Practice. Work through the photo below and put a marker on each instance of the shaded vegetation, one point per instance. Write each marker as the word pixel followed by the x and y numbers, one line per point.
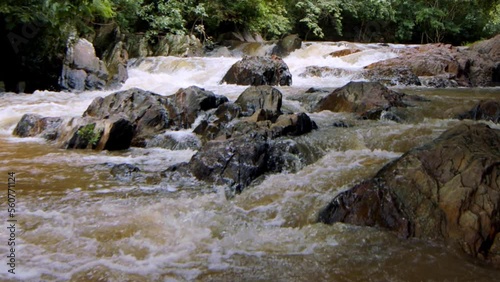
pixel 34 32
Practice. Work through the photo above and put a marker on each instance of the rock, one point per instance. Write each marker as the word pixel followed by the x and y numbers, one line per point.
pixel 238 161
pixel 484 110
pixel 215 124
pixel 294 124
pixel 344 52
pixel 474 67
pixel 263 97
pixel 150 113
pixel 287 45
pixel 361 98
pixel 179 46
pixel 175 140
pixel 116 60
pixel 259 71
pixel 438 81
pixel 446 190
pixel 315 71
pixel 234 162
pixel 392 76
pixel 74 80
pixel 88 133
pixel 32 125
pixel 188 102
pixel 125 172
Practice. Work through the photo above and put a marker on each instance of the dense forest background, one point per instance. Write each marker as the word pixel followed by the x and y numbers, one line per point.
pixel 34 32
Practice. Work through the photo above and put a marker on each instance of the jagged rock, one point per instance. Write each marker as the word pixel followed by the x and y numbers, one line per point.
pixel 82 69
pixel 259 71
pixel 361 98
pixel 484 110
pixel 263 97
pixel 438 81
pixel 151 113
pixel 238 161
pixel 188 102
pixel 116 60
pixel 32 125
pixel 446 190
pixel 287 45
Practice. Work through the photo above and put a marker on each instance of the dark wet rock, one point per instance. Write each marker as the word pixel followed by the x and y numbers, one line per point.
pixel 446 190
pixel 125 172
pixel 294 124
pixel 175 141
pixel 238 161
pixel 341 124
pixel 32 125
pixel 263 97
pixel 287 45
pixel 151 113
pixel 361 98
pixel 234 162
pixel 216 122
pixel 269 70
pixel 189 102
pixel 484 110
pixel 392 76
pixel 344 52
pixel 310 98
pixel 316 71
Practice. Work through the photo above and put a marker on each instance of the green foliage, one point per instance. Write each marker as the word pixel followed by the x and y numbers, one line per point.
pixel 315 11
pixel 88 135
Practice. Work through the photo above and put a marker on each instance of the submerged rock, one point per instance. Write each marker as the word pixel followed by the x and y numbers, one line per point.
pixel 269 70
pixel 447 190
pixel 484 110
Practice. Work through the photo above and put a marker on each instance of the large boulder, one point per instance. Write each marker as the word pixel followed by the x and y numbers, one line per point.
pixel 484 110
pixel 238 161
pixel 361 98
pixel 263 97
pixel 269 70
pixel 446 190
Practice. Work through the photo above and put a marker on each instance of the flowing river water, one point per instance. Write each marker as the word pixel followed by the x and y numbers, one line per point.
pixel 76 222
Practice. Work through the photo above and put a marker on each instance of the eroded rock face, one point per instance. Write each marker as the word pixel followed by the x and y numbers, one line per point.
pixel 269 70
pixel 447 190
pixel 287 45
pixel 360 98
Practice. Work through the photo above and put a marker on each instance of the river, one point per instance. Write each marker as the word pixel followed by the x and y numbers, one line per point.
pixel 76 222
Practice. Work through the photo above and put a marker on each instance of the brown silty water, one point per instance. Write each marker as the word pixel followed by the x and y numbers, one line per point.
pixel 79 223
